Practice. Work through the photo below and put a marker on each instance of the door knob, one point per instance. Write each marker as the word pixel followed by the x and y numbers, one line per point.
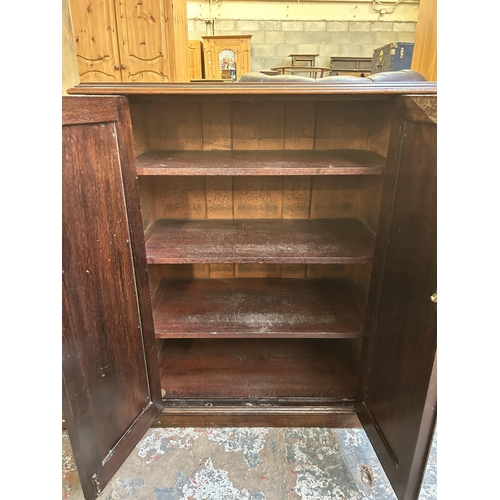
pixel 116 66
pixel 434 297
pixel 123 66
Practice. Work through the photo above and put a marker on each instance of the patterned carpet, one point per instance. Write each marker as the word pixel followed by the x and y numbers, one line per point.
pixel 249 464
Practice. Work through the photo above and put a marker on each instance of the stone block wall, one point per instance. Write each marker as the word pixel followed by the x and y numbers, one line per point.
pixel 273 40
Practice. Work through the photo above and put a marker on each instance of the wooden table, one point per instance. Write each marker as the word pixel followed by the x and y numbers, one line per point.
pixel 312 70
pixel 306 58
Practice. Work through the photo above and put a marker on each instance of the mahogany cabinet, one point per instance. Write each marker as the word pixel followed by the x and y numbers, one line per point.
pixel 259 254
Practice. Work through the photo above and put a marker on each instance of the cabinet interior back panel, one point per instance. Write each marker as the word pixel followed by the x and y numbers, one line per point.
pixel 262 125
pixel 204 124
pixel 260 197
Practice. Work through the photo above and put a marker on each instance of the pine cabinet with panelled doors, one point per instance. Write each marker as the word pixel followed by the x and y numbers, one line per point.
pixel 226 57
pixel 249 255
pixel 117 40
pixel 195 59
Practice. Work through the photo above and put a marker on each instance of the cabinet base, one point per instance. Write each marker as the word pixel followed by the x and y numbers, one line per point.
pixel 287 412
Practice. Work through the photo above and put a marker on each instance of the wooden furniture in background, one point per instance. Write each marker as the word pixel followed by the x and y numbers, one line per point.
pixel 195 48
pixel 212 48
pixel 425 51
pixel 314 71
pixel 289 240
pixel 354 66
pixel 303 59
pixel 131 42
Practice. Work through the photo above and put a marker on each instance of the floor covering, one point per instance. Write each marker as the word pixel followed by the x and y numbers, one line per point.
pixel 265 463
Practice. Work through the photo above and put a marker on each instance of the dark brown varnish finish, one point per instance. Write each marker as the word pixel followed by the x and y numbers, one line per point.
pixel 312 162
pixel 110 385
pixel 397 403
pixel 211 369
pixel 249 90
pixel 260 209
pixel 312 241
pixel 257 307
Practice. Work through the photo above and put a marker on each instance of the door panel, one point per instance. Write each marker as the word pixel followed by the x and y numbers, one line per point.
pixel 97 52
pixel 397 402
pixel 142 28
pixel 111 390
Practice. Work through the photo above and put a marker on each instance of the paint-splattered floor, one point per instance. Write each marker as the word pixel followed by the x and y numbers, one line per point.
pixel 249 464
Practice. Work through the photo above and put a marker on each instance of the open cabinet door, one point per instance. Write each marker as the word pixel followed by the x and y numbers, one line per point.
pixel 396 402
pixel 111 388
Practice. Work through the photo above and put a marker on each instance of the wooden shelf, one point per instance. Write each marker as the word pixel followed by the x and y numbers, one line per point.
pixel 257 307
pixel 289 162
pixel 257 368
pixel 277 241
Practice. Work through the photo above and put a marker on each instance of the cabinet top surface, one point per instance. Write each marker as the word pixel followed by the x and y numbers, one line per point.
pixel 255 89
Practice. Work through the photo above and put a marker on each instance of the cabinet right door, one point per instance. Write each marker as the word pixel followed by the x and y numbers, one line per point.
pixel 396 401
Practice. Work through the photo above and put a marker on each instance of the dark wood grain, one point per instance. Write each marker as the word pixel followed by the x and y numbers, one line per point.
pixel 234 417
pixel 249 90
pixel 88 109
pixel 109 396
pixel 258 368
pixel 313 241
pixel 257 307
pixel 399 353
pixel 312 162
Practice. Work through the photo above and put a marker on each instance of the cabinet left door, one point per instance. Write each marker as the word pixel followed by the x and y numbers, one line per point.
pixel 96 42
pixel 111 388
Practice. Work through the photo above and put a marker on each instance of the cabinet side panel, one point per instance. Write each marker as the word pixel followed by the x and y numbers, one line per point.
pixel 140 125
pixel 147 194
pixel 370 194
pixel 379 130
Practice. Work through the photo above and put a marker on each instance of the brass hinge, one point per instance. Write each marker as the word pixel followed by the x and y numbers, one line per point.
pixel 97 486
pixel 434 297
